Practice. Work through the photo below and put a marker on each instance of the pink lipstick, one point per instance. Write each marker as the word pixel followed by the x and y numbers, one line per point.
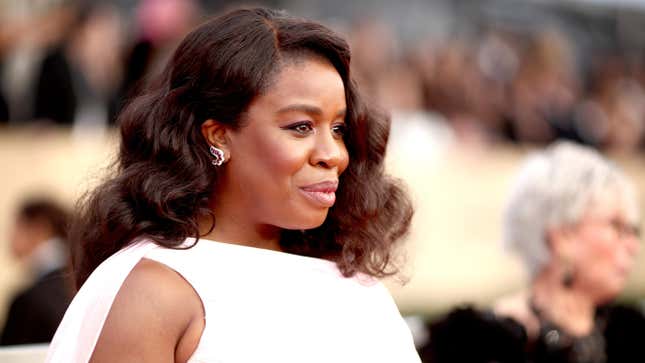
pixel 322 194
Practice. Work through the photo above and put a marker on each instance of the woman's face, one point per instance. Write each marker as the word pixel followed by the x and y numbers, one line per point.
pixel 606 244
pixel 286 158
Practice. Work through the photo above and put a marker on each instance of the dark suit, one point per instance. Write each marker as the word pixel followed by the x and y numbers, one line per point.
pixel 4 110
pixel 4 106
pixel 56 99
pixel 35 313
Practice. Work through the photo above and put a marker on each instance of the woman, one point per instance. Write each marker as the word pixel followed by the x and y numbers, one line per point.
pixel 572 219
pixel 249 214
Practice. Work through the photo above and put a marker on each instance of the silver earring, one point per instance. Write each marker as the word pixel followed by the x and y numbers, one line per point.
pixel 218 155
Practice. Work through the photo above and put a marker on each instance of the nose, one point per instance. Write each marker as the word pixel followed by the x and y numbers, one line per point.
pixel 329 151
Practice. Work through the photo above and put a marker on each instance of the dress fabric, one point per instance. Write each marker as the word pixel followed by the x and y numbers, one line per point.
pixel 260 306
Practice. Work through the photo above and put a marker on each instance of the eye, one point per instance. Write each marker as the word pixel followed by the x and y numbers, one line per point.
pixel 339 129
pixel 625 229
pixel 301 128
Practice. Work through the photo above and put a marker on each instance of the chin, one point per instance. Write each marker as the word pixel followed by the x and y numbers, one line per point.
pixel 306 221
pixel 313 224
pixel 609 294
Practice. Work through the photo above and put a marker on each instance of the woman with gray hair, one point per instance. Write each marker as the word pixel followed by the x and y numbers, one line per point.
pixel 572 218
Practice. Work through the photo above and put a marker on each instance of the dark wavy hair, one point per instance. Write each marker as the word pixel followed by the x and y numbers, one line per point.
pixel 163 177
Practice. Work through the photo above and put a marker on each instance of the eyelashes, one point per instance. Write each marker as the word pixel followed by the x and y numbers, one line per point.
pixel 304 128
pixel 339 129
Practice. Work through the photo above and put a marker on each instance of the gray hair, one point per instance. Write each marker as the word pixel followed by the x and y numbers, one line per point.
pixel 554 188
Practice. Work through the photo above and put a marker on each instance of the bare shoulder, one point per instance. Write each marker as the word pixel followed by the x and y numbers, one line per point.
pixel 156 317
pixel 516 306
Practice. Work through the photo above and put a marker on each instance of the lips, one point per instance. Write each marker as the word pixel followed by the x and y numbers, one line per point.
pixel 322 194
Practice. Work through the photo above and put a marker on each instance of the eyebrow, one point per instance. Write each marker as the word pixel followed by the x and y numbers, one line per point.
pixel 312 110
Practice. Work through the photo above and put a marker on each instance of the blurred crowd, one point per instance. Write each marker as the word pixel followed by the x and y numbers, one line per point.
pixel 503 86
pixel 77 62
pixel 74 63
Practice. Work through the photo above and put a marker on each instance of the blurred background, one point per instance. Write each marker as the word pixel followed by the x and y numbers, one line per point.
pixel 472 86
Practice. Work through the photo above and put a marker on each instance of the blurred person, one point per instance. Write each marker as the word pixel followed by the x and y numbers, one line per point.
pixel 6 37
pixel 572 218
pixel 400 88
pixel 374 52
pixel 497 66
pixel 415 132
pixel 459 91
pixel 79 75
pixel 627 116
pixel 394 79
pixel 249 216
pixel 545 90
pixel 38 240
pixel 27 31
pixel 613 115
pixel 4 108
pixel 160 25
pixel 446 94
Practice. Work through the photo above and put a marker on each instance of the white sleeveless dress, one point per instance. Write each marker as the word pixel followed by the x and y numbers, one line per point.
pixel 260 306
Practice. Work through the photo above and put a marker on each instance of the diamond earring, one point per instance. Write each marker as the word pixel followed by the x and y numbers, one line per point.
pixel 218 155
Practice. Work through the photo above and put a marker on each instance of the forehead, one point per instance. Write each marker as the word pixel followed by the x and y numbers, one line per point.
pixel 614 202
pixel 310 80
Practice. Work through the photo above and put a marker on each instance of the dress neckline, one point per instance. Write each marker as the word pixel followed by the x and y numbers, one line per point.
pixel 209 243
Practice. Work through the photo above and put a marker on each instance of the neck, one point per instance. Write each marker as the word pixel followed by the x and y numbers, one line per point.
pixel 47 256
pixel 259 236
pixel 236 228
pixel 570 308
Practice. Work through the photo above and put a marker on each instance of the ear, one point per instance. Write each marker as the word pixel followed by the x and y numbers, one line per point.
pixel 217 134
pixel 562 242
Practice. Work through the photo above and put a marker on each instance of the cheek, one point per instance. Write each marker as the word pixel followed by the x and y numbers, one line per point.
pixel 344 163
pixel 269 164
pixel 597 247
pixel 601 262
pixel 283 159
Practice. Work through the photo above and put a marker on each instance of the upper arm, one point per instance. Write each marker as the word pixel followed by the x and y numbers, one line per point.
pixel 150 318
